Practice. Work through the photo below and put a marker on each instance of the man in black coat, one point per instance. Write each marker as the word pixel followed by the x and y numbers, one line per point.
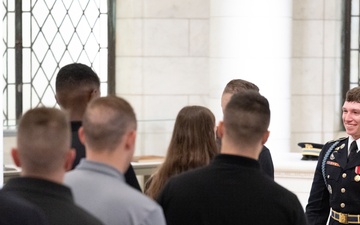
pixel 15 210
pixel 233 189
pixel 237 86
pixel 43 152
pixel 76 85
pixel 335 190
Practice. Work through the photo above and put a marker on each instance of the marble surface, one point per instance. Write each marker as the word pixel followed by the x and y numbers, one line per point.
pixel 295 174
pixel 291 162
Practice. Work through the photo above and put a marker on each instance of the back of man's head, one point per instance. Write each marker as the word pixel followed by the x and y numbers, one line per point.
pixel 75 85
pixel 106 121
pixel 76 75
pixel 246 118
pixel 43 139
pixel 239 85
pixel 236 86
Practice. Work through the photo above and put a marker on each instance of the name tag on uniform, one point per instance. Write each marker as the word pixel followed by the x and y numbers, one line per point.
pixel 331 163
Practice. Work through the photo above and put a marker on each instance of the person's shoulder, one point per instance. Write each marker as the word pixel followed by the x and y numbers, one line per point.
pixel 193 172
pixel 191 177
pixel 84 217
pixel 16 210
pixel 265 152
pixel 146 208
pixel 284 192
pixel 131 199
pixel 341 139
pixel 75 178
pixel 337 143
pixel 71 175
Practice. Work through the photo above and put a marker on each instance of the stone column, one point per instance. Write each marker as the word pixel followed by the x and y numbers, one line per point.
pixel 251 40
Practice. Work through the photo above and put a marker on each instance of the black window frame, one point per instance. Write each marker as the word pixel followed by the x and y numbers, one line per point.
pixel 111 38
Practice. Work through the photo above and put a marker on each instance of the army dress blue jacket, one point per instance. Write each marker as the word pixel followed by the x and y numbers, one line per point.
pixel 336 185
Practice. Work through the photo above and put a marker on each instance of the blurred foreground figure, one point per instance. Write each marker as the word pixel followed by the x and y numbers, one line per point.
pixel 44 155
pixel 17 211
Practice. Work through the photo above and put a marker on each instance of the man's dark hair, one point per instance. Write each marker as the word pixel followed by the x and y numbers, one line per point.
pixel 246 117
pixel 239 85
pixel 75 85
pixel 74 75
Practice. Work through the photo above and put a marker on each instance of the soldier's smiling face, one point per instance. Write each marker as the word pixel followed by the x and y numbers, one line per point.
pixel 351 118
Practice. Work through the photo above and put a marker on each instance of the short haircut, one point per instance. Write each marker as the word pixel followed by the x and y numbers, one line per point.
pixel 239 85
pixel 105 122
pixel 75 75
pixel 246 117
pixel 43 138
pixel 73 84
pixel 353 95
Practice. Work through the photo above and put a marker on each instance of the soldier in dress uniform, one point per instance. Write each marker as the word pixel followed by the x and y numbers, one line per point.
pixel 335 190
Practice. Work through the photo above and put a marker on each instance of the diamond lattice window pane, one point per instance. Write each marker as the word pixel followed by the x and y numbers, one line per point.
pixel 49 65
pixel 55 33
pixel 92 47
pixel 75 13
pixel 83 30
pixel 91 10
pixel 40 81
pixel 76 47
pixel 40 12
pixel 50 28
pixel 58 12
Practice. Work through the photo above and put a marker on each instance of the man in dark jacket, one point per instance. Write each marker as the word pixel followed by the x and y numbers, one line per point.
pixel 233 189
pixel 15 210
pixel 237 86
pixel 76 85
pixel 43 152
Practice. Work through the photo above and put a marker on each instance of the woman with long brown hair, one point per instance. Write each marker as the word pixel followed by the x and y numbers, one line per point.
pixel 192 145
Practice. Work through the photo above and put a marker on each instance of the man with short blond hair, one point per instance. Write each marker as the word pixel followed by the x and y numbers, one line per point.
pixel 109 132
pixel 44 155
